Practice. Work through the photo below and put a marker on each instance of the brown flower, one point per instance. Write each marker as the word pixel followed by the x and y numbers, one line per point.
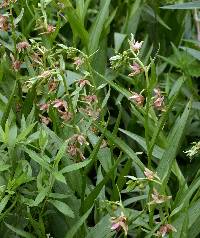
pixel 80 139
pixel 36 57
pixel 66 116
pixel 45 74
pixel 138 98
pixel 6 3
pixel 83 82
pixel 45 120
pixel 50 29
pixel 159 103
pixel 52 85
pixel 165 229
pixel 44 106
pixel 60 104
pixel 150 175
pixel 22 46
pixel 16 64
pixel 119 223
pixel 91 112
pixel 3 23
pixel 91 98
pixel 136 69
pixel 78 62
pixel 158 100
pixel 73 150
pixel 158 198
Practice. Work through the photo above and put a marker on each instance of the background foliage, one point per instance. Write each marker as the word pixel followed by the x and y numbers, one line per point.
pixel 75 144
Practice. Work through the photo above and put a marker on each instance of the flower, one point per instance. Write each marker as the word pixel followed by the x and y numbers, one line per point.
pixel 22 46
pixel 158 198
pixel 165 229
pixel 78 62
pixel 45 74
pixel 6 3
pixel 159 103
pixel 80 139
pixel 50 29
pixel 52 85
pixel 138 98
pixel 158 100
pixel 73 150
pixel 45 120
pixel 66 116
pixel 150 175
pixel 36 57
pixel 60 104
pixel 3 23
pixel 119 223
pixel 135 46
pixel 83 82
pixel 136 69
pixel 43 106
pixel 16 64
pixel 91 98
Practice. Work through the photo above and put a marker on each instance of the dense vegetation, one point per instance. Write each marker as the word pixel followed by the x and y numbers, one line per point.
pixel 99 118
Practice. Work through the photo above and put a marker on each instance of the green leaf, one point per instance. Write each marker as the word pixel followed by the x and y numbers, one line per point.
pixel 119 39
pixel 101 229
pixel 8 106
pixel 74 229
pixel 75 22
pixel 41 196
pixel 18 19
pixel 184 6
pixel 157 151
pixel 174 139
pixel 97 27
pixel 88 203
pixel 122 145
pixel 20 232
pixel 193 52
pixel 4 202
pixel 59 177
pixel 41 161
pixel 60 154
pixel 63 208
pixel 22 136
pixel 74 167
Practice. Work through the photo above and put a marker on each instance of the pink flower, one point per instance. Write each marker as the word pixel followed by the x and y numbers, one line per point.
pixel 138 98
pixel 78 62
pixel 22 46
pixel 150 175
pixel 3 23
pixel 83 82
pixel 165 229
pixel 91 98
pixel 119 223
pixel 158 198
pixel 44 106
pixel 16 64
pixel 59 103
pixel 158 100
pixel 136 69
pixel 45 120
pixel 135 46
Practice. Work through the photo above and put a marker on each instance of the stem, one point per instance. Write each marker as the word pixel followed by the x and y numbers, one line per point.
pixel 146 123
pixel 13 32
